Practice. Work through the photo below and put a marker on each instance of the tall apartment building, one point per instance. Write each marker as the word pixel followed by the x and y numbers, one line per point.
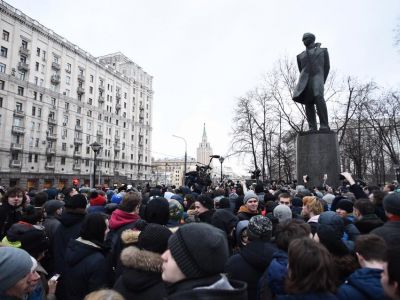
pixel 57 99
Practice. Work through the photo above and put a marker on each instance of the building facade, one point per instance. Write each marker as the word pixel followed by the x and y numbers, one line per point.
pixel 204 150
pixel 57 99
pixel 170 171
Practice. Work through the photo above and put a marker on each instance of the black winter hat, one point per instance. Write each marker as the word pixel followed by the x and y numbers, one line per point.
pixel 154 238
pixel 51 206
pixel 206 201
pixel 157 211
pixel 346 205
pixel 199 249
pixel 391 203
pixel 224 220
pixel 76 201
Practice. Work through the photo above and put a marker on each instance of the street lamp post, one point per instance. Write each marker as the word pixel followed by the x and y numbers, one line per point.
pixel 96 148
pixel 221 160
pixel 184 171
pixel 165 174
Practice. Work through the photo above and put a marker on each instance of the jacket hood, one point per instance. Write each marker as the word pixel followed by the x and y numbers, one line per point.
pixel 366 277
pixel 120 218
pixel 69 219
pixel 258 254
pixel 135 258
pixel 79 249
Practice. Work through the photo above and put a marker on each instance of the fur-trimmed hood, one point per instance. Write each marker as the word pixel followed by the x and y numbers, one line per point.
pixel 130 236
pixel 135 258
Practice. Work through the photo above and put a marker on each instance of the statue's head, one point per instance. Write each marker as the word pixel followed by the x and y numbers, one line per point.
pixel 308 39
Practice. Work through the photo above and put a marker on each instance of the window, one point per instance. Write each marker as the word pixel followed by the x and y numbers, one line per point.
pixel 91 90
pixel 53 101
pixel 89 113
pixel 38 52
pixel 91 78
pixel 21 75
pixel 33 111
pixel 64 146
pixel 79 110
pixel 6 35
pixel 66 106
pixel 67 79
pixel 37 66
pixel 24 44
pixel 55 59
pixel 2 84
pixel 20 91
pixel 44 55
pixel 37 142
pixel 67 92
pixel 68 68
pixel 62 160
pixel 41 82
pixel 18 106
pixel 90 101
pixel 3 51
pixel 39 112
pixel 64 134
pixel 87 150
pixel 87 163
pixel 2 68
pixel 36 156
pixel 30 157
pixel 41 97
pixel 1 101
pixel 89 127
pixel 36 80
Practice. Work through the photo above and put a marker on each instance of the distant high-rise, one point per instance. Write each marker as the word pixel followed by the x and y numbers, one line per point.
pixel 204 150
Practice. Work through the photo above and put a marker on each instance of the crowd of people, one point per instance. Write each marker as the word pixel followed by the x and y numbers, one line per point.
pixel 229 242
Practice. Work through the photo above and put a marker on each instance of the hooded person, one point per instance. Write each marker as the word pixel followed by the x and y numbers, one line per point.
pixel 142 265
pixel 226 221
pixel 249 207
pixel 18 276
pixel 193 263
pixel 241 237
pixel 250 263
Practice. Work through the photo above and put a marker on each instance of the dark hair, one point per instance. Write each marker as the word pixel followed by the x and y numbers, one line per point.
pixel 290 230
pixel 94 227
pixel 259 188
pixel 14 192
pixel 391 187
pixel 371 247
pixel 378 196
pixel 393 266
pixel 93 194
pixel 364 206
pixel 130 202
pixel 190 199
pixel 311 268
pixel 224 203
pixel 285 195
pixel 41 198
pixel 32 215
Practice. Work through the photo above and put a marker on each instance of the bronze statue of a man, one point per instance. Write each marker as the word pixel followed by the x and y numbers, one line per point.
pixel 314 68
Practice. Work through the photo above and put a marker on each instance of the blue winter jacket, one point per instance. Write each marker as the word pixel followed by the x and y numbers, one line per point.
pixel 309 296
pixel 276 273
pixel 364 283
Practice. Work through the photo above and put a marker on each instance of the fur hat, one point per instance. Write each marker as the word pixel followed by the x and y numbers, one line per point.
pixel 391 203
pixel 51 206
pixel 199 249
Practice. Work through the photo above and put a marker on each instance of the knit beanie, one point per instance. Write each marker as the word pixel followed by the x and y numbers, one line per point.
pixel 206 201
pixel 282 212
pixel 157 211
pixel 199 249
pixel 391 203
pixel 15 264
pixel 175 210
pixel 76 201
pixel 249 195
pixel 224 219
pixel 99 200
pixel 346 205
pixel 51 206
pixel 260 227
pixel 154 238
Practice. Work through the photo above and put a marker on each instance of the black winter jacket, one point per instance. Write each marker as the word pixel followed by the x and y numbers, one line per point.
pixel 86 269
pixel 9 215
pixel 141 275
pixel 250 263
pixel 390 232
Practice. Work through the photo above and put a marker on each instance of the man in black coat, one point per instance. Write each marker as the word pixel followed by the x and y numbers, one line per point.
pixel 252 260
pixel 390 231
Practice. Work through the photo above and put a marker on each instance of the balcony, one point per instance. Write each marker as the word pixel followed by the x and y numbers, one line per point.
pixel 117 138
pixel 16 147
pixel 118 96
pixel 55 79
pixel 99 132
pixel 50 151
pixel 117 146
pixel 76 167
pixel 22 66
pixel 119 173
pixel 55 66
pixel 77 155
pixel 23 51
pixel 80 90
pixel 50 166
pixel 78 140
pixel 18 130
pixel 78 127
pixel 51 136
pixel 19 113
pixel 101 88
pixel 141 144
pixel 118 105
pixel 101 99
pixel 81 77
pixel 52 121
pixel 15 163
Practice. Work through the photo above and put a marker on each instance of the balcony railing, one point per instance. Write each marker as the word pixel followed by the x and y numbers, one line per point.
pixel 55 79
pixel 77 154
pixel 23 51
pixel 19 113
pixel 78 127
pixel 52 121
pixel 80 90
pixel 22 66
pixel 16 147
pixel 51 136
pixel 101 88
pixel 56 66
pixel 50 151
pixel 101 99
pixel 117 146
pixel 50 165
pixel 16 163
pixel 81 77
pixel 78 140
pixel 18 129
pixel 118 96
pixel 118 105
pixel 76 167
pixel 99 132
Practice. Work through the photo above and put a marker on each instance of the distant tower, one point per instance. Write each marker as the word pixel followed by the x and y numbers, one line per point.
pixel 204 150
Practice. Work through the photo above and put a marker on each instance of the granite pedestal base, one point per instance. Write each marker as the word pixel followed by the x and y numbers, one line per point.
pixel 317 154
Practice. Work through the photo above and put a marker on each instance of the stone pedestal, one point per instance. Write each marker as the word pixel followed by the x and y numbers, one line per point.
pixel 317 154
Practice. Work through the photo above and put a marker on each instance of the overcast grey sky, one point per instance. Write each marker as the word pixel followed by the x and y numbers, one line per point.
pixel 204 54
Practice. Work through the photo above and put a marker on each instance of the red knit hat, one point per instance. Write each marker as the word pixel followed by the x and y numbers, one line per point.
pixel 98 201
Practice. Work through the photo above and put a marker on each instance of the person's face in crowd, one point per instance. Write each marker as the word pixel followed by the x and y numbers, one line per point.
pixel 252 204
pixel 341 212
pixel 305 211
pixel 389 288
pixel 25 285
pixel 15 200
pixel 170 270
pixel 59 211
pixel 386 189
pixel 371 197
pixel 199 208
pixel 356 213
pixel 285 201
pixel 244 239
